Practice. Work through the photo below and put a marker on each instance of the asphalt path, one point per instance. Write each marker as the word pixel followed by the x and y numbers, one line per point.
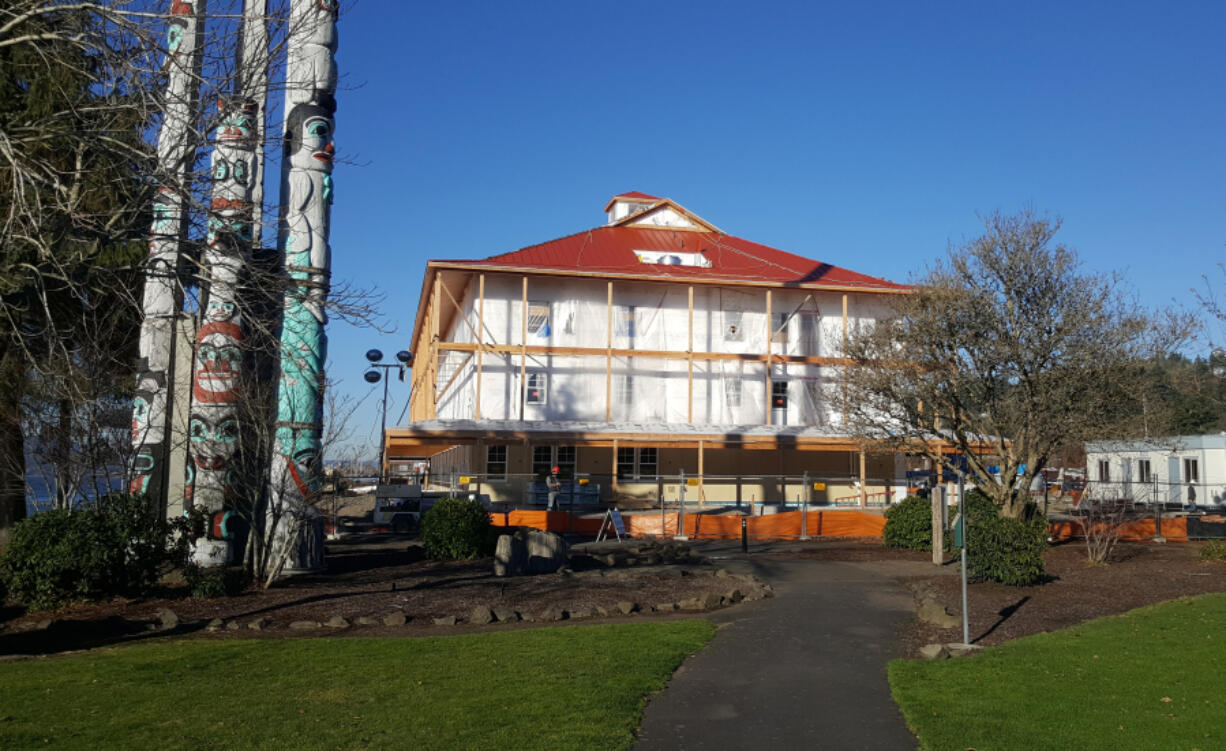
pixel 805 669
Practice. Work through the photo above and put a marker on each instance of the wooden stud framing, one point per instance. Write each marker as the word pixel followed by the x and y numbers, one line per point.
pixel 434 344
pixel 690 351
pixel 662 354
pixel 702 494
pixel 613 468
pixel 480 338
pixel 608 363
pixel 770 334
pixel 523 347
pixel 863 479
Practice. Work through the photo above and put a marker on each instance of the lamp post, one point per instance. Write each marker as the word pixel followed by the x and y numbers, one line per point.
pixel 374 357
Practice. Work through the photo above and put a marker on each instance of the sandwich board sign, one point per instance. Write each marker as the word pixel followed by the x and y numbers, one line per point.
pixel 612 521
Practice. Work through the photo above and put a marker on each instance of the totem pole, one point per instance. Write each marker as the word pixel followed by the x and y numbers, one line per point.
pixel 252 65
pixel 214 426
pixel 162 294
pixel 306 199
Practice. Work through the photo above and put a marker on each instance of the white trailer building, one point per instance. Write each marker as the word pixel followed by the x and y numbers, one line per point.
pixel 1188 469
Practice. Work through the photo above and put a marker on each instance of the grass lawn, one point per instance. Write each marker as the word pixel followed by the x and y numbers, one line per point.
pixel 576 687
pixel 1153 678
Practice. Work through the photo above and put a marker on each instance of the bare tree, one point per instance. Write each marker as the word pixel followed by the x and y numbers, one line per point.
pixel 1006 351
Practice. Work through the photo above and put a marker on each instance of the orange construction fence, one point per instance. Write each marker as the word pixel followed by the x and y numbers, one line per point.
pixel 783 526
pixel 1173 529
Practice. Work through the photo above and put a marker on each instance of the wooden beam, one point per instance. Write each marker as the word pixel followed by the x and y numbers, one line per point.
pixel 663 354
pixel 690 351
pixel 480 338
pixel 434 346
pixel 523 347
pixel 769 335
pixel 613 466
pixel 863 480
pixel 702 492
pixel 447 386
pixel 608 361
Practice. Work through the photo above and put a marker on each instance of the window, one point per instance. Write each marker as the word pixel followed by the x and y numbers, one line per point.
pixel 625 321
pixel 733 331
pixel 545 458
pixel 779 394
pixel 625 462
pixel 732 392
pixel 1104 470
pixel 538 318
pixel 495 462
pixel 538 387
pixel 564 458
pixel 648 462
pixel 1144 474
pixel 779 327
pixel 542 460
pixel 1191 470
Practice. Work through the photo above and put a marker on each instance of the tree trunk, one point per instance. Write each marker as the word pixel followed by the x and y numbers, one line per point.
pixel 12 443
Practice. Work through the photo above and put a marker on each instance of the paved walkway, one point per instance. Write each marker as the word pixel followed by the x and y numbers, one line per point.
pixel 805 669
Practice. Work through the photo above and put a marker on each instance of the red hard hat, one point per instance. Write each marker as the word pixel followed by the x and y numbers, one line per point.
pixel 555 469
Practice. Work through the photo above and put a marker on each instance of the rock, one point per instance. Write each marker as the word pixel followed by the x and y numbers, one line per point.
pixel 481 615
pixel 506 615
pixel 552 614
pixel 957 649
pixel 259 624
pixel 215 625
pixel 395 619
pixel 447 620
pixel 233 626
pixel 931 611
pixel 712 600
pixel 529 551
pixel 366 620
pixel 721 573
pixel 610 560
pixel 337 621
pixel 692 603
pixel 734 596
pixel 580 613
pixel 167 619
pixel 304 625
pixel 934 652
pixel 602 612
pixel 625 607
pixel 666 607
pixel 42 625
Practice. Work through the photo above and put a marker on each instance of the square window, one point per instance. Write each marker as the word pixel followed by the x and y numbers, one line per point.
pixel 779 394
pixel 538 318
pixel 625 462
pixel 495 462
pixel 542 460
pixel 537 389
pixel 648 462
pixel 1191 470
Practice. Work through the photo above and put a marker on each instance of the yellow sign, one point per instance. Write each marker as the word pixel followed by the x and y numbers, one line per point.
pixel 819 486
pixel 465 480
pixel 691 481
pixel 583 481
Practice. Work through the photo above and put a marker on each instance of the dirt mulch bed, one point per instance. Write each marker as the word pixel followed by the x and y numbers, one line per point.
pixel 374 578
pixel 1139 574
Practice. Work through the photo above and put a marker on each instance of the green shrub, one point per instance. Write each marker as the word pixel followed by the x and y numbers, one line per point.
pixel 1008 551
pixel 908 524
pixel 215 581
pixel 1214 550
pixel 119 547
pixel 456 528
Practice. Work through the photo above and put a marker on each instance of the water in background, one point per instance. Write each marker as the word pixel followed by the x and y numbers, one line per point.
pixel 39 496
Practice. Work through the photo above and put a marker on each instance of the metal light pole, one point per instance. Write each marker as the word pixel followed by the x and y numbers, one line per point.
pixel 374 356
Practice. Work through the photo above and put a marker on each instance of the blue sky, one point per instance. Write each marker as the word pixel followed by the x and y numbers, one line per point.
pixel 867 135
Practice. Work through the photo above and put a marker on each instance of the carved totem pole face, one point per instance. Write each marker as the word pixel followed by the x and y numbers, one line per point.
pixel 214 439
pixel 219 358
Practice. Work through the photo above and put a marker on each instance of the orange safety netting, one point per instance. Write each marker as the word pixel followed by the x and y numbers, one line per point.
pixel 787 525
pixel 1175 528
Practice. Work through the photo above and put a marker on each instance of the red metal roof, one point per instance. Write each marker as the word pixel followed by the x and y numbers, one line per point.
pixel 610 251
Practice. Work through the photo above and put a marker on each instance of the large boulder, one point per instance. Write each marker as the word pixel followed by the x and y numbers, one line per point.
pixel 529 551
